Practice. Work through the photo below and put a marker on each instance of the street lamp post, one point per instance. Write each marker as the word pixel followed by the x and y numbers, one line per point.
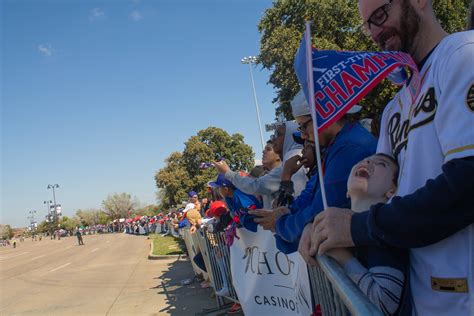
pixel 53 186
pixel 48 204
pixel 54 213
pixel 32 222
pixel 250 60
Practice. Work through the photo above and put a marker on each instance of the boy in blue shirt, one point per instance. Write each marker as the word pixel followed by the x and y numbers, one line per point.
pixel 238 203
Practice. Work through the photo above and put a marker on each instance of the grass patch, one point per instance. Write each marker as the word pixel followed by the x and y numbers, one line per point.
pixel 167 245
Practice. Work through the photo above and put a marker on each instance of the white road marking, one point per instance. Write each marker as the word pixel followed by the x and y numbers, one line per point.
pixel 94 250
pixel 38 257
pixel 10 257
pixel 60 267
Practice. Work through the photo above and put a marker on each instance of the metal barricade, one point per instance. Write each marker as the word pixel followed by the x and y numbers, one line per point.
pixel 193 249
pixel 219 259
pixel 336 293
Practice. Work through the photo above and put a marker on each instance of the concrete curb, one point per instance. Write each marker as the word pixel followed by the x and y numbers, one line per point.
pixel 151 256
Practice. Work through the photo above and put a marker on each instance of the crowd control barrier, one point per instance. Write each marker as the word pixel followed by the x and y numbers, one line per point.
pixel 331 288
pixel 336 293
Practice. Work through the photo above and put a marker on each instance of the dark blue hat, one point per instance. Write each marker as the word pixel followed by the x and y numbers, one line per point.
pixel 192 193
pixel 297 138
pixel 221 181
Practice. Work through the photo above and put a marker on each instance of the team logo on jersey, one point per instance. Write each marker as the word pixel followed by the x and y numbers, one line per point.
pixel 470 98
pixel 421 114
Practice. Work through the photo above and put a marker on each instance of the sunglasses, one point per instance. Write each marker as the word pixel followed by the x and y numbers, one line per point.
pixel 377 18
pixel 302 127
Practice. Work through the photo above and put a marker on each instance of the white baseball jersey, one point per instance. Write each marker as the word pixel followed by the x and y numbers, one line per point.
pixel 423 134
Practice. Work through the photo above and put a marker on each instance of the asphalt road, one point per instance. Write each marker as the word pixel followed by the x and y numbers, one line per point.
pixel 109 275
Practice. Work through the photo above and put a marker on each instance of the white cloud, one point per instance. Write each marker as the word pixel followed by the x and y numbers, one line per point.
pixel 135 16
pixel 96 14
pixel 45 50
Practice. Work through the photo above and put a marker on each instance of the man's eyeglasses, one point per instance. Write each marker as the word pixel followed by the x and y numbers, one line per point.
pixel 378 17
pixel 302 127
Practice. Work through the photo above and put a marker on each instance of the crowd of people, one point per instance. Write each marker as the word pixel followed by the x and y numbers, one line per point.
pixel 400 217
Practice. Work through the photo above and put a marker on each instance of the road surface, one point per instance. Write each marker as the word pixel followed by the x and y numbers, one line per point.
pixel 109 275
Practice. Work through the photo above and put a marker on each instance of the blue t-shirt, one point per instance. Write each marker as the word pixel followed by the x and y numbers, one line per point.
pixel 239 205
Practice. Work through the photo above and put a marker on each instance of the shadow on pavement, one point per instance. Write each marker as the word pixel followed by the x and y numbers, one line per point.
pixel 183 299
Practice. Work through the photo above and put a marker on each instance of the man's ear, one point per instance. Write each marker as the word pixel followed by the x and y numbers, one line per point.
pixel 420 4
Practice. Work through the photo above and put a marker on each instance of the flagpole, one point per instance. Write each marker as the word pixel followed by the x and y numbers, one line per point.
pixel 309 68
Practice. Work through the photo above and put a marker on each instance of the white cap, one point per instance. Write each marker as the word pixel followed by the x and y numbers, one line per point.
pixel 188 207
pixel 299 105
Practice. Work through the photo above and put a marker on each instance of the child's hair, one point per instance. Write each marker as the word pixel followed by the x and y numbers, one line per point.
pixel 395 162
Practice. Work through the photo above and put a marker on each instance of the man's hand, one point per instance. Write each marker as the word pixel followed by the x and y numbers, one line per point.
pixel 267 218
pixel 221 166
pixel 305 244
pixel 193 229
pixel 341 255
pixel 331 229
pixel 291 166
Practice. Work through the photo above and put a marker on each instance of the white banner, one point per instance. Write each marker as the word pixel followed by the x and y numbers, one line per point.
pixel 267 281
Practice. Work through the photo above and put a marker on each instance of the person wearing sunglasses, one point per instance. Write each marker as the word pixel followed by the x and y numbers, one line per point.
pixel 428 128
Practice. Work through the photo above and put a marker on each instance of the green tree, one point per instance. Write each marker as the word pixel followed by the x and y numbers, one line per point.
pixel 335 26
pixel 68 223
pixel 149 210
pixel 6 232
pixel 119 205
pixel 182 173
pixel 172 180
pixel 92 217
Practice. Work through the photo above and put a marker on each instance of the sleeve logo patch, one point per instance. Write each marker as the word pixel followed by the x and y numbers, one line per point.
pixel 470 98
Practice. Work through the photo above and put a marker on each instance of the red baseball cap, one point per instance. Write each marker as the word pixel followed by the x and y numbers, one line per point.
pixel 217 208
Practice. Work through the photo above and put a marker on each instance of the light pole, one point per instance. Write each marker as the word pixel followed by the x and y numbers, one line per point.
pixel 32 221
pixel 250 60
pixel 48 203
pixel 53 186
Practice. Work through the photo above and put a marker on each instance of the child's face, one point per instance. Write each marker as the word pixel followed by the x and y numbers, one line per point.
pixel 373 178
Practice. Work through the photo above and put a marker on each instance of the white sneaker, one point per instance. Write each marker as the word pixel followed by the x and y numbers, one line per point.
pixel 223 292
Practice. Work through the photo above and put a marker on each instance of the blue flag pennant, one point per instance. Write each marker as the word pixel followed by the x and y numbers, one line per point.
pixel 342 78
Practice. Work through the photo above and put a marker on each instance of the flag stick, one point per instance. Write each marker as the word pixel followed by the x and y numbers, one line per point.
pixel 309 68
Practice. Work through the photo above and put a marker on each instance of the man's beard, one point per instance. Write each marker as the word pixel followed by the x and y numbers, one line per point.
pixel 409 27
pixel 406 31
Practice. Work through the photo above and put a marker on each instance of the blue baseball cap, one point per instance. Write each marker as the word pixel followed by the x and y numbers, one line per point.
pixel 297 138
pixel 221 181
pixel 192 194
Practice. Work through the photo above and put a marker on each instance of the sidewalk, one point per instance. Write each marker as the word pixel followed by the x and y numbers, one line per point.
pixel 180 300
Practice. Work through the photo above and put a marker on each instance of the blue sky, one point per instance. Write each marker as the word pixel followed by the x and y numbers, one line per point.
pixel 95 95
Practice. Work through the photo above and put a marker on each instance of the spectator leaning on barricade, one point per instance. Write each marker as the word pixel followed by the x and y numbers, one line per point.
pixel 433 215
pixel 193 198
pixel 380 272
pixel 219 214
pixel 267 186
pixel 270 159
pixel 238 203
pixel 345 144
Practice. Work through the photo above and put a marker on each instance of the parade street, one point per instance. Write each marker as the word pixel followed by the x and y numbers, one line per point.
pixel 109 275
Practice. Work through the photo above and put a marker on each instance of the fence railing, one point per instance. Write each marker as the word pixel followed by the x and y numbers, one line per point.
pixel 331 288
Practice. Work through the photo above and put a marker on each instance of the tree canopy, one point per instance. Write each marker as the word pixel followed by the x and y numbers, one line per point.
pixel 335 26
pixel 182 173
pixel 119 205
